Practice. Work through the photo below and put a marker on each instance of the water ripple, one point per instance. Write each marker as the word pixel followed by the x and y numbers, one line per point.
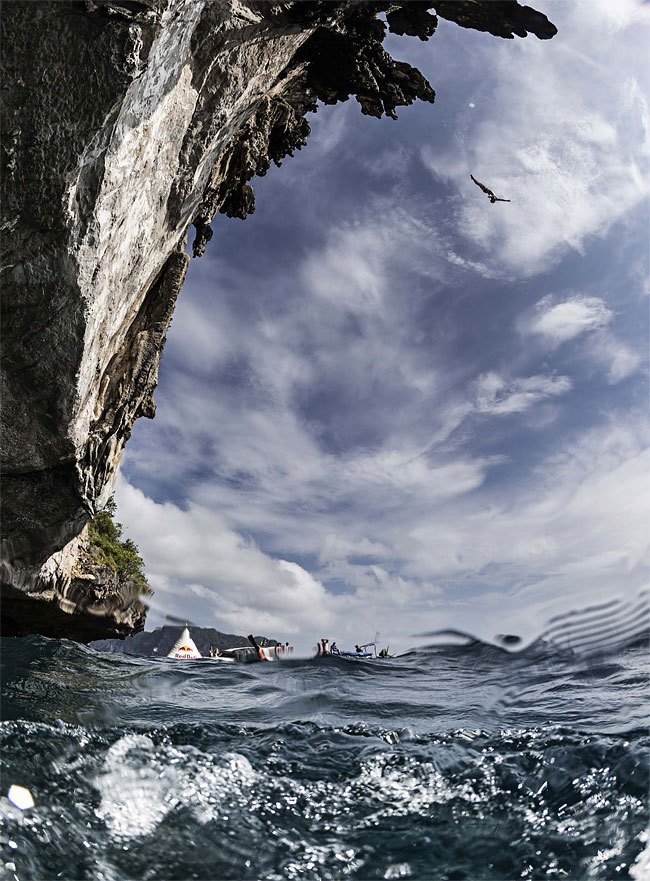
pixel 465 762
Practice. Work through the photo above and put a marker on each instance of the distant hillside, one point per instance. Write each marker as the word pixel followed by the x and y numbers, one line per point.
pixel 159 642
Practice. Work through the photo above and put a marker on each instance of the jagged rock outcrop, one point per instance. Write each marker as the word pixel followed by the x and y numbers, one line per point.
pixel 94 599
pixel 124 123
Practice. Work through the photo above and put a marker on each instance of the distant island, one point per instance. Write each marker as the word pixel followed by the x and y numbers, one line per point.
pixel 158 643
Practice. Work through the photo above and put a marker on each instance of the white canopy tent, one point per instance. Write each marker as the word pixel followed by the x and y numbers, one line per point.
pixel 184 647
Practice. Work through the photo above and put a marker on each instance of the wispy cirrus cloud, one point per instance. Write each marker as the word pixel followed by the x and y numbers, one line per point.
pixel 557 321
pixel 499 397
pixel 384 399
pixel 619 359
pixel 561 320
pixel 420 566
pixel 563 136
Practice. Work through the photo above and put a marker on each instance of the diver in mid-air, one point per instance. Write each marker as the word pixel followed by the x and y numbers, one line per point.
pixel 488 191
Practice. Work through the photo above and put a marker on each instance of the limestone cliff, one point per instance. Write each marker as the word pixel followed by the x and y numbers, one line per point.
pixel 124 123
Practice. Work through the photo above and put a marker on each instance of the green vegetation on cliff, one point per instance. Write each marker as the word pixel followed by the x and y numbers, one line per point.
pixel 108 549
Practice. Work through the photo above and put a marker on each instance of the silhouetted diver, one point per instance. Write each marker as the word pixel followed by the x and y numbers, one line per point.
pixel 487 191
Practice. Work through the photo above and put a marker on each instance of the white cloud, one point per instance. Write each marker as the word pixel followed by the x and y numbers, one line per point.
pixel 340 404
pixel 499 397
pixel 617 16
pixel 211 344
pixel 200 567
pixel 562 321
pixel 619 359
pixel 473 265
pixel 563 136
pixel 354 268
pixel 391 163
pixel 328 129
pixel 338 547
pixel 392 471
pixel 557 322
pixel 575 528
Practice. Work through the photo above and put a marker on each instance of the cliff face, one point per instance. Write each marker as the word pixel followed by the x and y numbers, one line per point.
pixel 124 123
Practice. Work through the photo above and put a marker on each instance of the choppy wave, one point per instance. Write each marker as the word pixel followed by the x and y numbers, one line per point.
pixel 597 629
pixel 458 762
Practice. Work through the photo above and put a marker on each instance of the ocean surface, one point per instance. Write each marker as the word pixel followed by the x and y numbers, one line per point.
pixel 447 763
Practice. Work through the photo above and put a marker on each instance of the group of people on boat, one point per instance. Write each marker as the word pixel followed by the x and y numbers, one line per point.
pixel 266 650
pixel 362 651
pixel 277 649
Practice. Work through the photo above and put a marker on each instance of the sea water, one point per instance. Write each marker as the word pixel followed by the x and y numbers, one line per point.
pixel 447 763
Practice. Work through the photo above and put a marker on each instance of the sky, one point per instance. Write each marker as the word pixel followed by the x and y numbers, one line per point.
pixel 387 405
